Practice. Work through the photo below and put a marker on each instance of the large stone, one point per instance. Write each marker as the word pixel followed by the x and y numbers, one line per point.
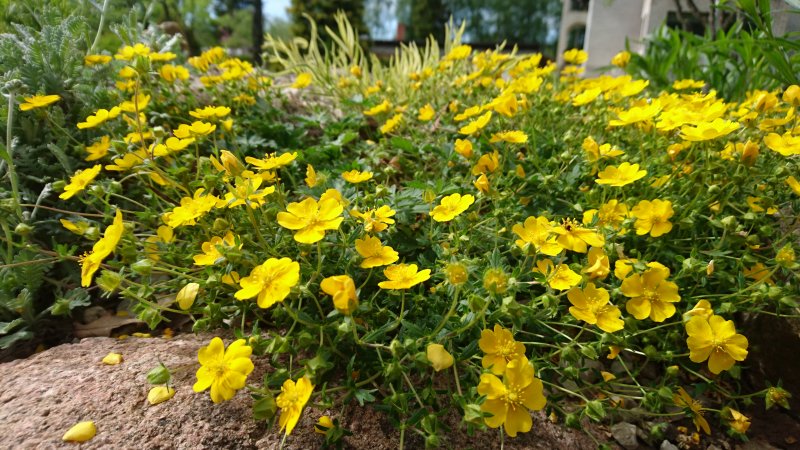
pixel 625 434
pixel 44 395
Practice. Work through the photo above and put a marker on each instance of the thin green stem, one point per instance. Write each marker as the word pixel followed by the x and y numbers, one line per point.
pixel 12 171
pixel 99 27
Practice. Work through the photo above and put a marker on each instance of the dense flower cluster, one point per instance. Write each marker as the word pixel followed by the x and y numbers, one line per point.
pixel 444 225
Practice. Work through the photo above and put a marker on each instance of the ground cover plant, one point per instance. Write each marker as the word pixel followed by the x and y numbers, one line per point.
pixel 468 232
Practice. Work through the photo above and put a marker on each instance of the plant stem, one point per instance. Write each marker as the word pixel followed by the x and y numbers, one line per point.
pixel 12 171
pixel 99 27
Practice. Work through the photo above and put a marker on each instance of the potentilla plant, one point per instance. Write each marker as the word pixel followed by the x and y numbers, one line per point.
pixel 490 237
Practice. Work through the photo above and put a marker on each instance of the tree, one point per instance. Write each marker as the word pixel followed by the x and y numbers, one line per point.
pixel 427 17
pixel 322 12
pixel 233 22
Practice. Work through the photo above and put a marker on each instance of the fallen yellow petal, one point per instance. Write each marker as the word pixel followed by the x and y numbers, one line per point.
pixel 112 359
pixel 80 432
pixel 160 394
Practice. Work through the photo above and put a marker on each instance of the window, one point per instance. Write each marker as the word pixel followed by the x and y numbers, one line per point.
pixel 576 36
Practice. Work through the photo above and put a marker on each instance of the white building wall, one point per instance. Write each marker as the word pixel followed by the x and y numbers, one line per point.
pixel 607 26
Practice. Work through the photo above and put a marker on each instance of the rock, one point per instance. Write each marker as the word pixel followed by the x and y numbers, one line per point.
pixel 667 445
pixel 46 394
pixel 625 434
pixel 757 444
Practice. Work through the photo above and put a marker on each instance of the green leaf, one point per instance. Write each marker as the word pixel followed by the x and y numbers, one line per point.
pixel 364 396
pixel 159 375
pixel 595 410
pixel 403 144
pixel 265 408
pixel 7 327
pixel 7 341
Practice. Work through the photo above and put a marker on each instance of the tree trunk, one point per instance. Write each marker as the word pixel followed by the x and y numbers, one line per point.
pixel 258 30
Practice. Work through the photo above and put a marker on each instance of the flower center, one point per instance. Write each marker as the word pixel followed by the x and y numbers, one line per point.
pixel 513 396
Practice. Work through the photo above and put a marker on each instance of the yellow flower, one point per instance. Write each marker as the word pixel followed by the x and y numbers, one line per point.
pixel 785 256
pixel 292 400
pixel 343 290
pixel 271 161
pixel 245 192
pixel 99 149
pixel 759 273
pixel 715 339
pixel 477 124
pixel 79 181
pixel 469 112
pixel 38 101
pixel 487 163
pixel 586 96
pixel 684 400
pixel 463 147
pixel 271 282
pixel 112 359
pixel 311 176
pixel 160 394
pixel 101 249
pixel 575 56
pixel 99 117
pixel 626 173
pixel 224 371
pixel 702 308
pixel 458 52
pixel 374 253
pixel 91 60
pixel 439 358
pixel 323 425
pixel 591 306
pixel 482 183
pixel 538 232
pixel 310 219
pixel 391 124
pixel 303 80
pixel 560 277
pixel 594 152
pixel 786 145
pixel 380 108
pixel 186 295
pixel 162 57
pixel 456 273
pixel 191 208
pixel 621 59
pixel 210 112
pixel 651 295
pixel 170 73
pixel 451 206
pixel 572 236
pixel 403 276
pixel 211 249
pixel 196 129
pixel 495 281
pixel 509 401
pixel 738 421
pixel 653 217
pixel 135 104
pixel 792 95
pixel 636 114
pixel 355 176
pixel 513 137
pixel 426 113
pixel 599 266
pixel 500 348
pixel 680 85
pixel 375 220
pixel 80 432
pixel 705 131
pixel 127 52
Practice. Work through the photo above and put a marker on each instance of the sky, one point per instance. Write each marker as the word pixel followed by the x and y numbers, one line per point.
pixel 276 9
